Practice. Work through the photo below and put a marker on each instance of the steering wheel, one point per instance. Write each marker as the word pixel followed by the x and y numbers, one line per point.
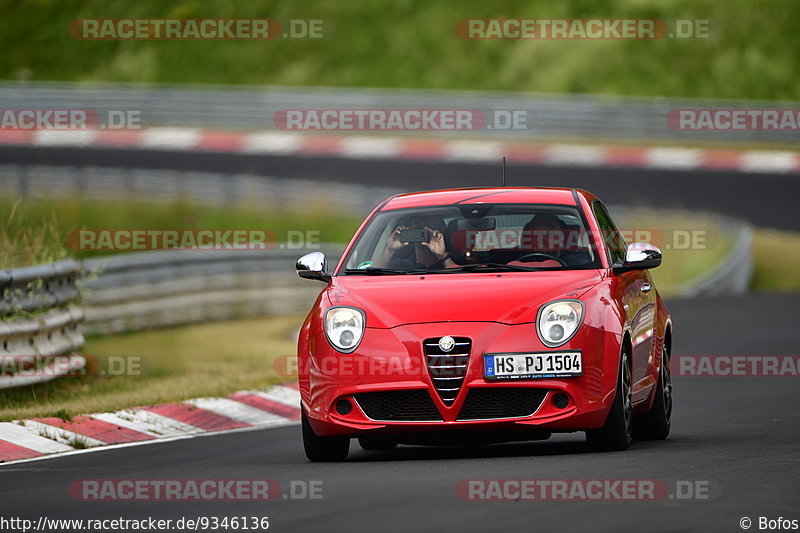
pixel 528 257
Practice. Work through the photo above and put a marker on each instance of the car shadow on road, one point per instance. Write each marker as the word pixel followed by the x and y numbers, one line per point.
pixel 501 450
pixel 426 453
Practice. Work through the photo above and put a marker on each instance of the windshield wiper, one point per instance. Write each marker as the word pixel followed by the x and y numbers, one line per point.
pixel 489 267
pixel 471 267
pixel 376 271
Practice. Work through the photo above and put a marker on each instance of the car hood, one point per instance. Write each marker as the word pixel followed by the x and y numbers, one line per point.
pixel 509 298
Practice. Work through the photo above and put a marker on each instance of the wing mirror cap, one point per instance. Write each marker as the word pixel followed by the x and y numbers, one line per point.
pixel 313 265
pixel 640 256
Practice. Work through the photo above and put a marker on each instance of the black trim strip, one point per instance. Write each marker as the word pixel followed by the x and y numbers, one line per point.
pixel 575 197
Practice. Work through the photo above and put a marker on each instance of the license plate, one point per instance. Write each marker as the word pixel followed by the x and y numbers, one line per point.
pixel 531 365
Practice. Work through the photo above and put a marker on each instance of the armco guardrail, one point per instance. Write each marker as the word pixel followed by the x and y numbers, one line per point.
pixel 38 287
pixel 584 116
pixel 166 288
pixel 39 320
pixel 734 273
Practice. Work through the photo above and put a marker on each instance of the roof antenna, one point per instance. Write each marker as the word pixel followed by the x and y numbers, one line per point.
pixel 504 171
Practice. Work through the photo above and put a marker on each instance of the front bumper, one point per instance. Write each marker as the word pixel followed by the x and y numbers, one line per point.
pixel 389 370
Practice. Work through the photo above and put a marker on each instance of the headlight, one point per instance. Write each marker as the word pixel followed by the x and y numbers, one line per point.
pixel 344 327
pixel 558 321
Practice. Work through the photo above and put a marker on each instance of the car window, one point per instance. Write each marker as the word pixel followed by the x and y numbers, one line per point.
pixel 611 235
pixel 536 236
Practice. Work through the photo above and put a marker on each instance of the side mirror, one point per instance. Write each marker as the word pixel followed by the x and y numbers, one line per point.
pixel 313 266
pixel 640 256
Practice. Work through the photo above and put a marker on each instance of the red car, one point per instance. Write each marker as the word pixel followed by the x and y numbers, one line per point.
pixel 485 315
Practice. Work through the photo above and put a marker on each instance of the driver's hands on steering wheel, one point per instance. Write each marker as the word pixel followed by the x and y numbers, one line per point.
pixel 531 257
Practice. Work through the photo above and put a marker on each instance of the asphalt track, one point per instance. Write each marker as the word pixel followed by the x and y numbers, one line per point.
pixel 741 435
pixel 768 200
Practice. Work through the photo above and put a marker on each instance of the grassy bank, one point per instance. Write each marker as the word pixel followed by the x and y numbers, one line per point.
pixel 776 258
pixel 412 43
pixel 35 230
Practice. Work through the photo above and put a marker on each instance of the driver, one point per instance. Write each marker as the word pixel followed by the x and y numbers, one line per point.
pixel 547 234
pixel 426 255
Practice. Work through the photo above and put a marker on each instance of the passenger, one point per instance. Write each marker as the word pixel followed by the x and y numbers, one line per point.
pixel 426 255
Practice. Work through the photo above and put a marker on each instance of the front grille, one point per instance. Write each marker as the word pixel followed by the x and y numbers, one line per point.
pixel 447 369
pixel 398 405
pixel 501 402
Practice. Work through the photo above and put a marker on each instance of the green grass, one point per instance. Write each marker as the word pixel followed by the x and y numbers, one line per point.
pixel 29 235
pixel 412 43
pixel 176 364
pixel 63 414
pixel 777 256
pixel 36 229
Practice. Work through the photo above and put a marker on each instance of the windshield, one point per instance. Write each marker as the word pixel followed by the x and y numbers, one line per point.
pixel 469 238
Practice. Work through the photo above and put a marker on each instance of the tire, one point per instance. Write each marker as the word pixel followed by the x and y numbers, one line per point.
pixel 323 449
pixel 615 435
pixel 376 442
pixel 655 424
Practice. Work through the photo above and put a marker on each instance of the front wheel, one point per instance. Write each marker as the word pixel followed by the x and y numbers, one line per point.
pixel 615 435
pixel 655 424
pixel 323 449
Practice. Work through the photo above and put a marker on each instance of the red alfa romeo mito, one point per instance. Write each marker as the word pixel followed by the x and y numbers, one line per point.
pixel 485 315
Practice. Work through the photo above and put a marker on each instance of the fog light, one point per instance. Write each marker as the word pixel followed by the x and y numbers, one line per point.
pixel 343 407
pixel 346 338
pixel 561 400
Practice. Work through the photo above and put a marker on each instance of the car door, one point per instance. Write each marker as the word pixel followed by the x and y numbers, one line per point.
pixel 643 330
pixel 638 299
